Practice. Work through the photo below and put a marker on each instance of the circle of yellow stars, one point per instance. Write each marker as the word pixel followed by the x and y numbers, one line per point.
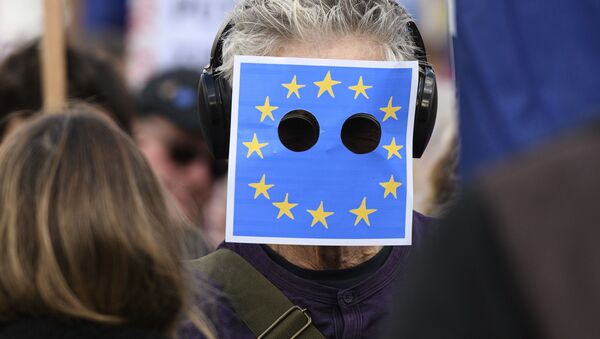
pixel 320 214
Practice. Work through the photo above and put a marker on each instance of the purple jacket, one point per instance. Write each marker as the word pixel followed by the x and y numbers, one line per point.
pixel 338 313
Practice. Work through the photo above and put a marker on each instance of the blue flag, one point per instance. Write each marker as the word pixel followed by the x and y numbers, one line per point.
pixel 526 71
pixel 348 183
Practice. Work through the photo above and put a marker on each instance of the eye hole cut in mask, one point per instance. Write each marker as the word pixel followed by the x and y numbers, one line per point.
pixel 361 133
pixel 298 130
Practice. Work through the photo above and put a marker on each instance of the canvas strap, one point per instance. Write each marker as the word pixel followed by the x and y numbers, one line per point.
pixel 264 309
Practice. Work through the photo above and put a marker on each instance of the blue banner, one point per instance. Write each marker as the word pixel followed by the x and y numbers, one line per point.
pixel 526 71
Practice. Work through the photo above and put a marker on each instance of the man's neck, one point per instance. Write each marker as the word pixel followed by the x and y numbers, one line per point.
pixel 326 257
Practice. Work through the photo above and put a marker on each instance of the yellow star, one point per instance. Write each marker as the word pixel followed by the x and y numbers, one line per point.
pixel 293 87
pixel 266 110
pixel 360 88
pixel 362 213
pixel 390 111
pixel 319 215
pixel 326 85
pixel 261 188
pixel 254 146
pixel 285 207
pixel 390 187
pixel 393 149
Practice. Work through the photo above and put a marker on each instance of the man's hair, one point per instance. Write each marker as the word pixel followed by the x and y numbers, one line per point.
pixel 260 27
pixel 90 78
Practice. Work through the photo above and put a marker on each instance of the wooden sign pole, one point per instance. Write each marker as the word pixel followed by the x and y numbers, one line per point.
pixel 53 63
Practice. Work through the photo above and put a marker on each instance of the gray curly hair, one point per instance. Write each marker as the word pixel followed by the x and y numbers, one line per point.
pixel 260 27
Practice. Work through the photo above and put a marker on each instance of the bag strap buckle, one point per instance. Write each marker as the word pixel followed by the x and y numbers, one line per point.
pixel 285 315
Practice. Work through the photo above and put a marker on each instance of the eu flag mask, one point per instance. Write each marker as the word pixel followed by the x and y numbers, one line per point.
pixel 320 151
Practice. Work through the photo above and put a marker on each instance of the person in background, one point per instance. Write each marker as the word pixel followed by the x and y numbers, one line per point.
pixel 518 256
pixel 167 130
pixel 90 78
pixel 86 245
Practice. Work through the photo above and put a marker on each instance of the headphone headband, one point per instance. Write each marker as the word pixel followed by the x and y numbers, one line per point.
pixel 420 53
pixel 216 51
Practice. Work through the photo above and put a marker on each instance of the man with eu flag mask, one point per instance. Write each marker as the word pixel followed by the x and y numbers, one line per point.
pixel 322 135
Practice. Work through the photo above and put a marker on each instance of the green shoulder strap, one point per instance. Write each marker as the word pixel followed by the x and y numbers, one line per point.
pixel 264 309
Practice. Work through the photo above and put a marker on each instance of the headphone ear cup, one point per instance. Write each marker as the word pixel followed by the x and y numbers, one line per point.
pixel 426 109
pixel 213 123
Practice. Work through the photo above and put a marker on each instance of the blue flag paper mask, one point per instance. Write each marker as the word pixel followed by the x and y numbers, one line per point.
pixel 321 151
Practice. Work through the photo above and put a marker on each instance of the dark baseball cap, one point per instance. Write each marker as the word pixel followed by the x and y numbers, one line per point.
pixel 172 95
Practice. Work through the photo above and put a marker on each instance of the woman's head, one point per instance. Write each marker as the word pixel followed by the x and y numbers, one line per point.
pixel 84 230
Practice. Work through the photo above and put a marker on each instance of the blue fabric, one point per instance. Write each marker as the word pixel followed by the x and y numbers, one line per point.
pixel 101 15
pixel 526 70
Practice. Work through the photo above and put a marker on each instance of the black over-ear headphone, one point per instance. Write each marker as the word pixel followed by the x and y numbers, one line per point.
pixel 214 99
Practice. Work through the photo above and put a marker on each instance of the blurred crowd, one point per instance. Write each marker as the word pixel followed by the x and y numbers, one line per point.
pixel 129 150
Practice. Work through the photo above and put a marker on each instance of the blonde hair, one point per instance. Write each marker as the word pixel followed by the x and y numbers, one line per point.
pixel 84 227
pixel 260 27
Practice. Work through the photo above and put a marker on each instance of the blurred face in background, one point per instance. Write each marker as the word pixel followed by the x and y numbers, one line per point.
pixel 181 161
